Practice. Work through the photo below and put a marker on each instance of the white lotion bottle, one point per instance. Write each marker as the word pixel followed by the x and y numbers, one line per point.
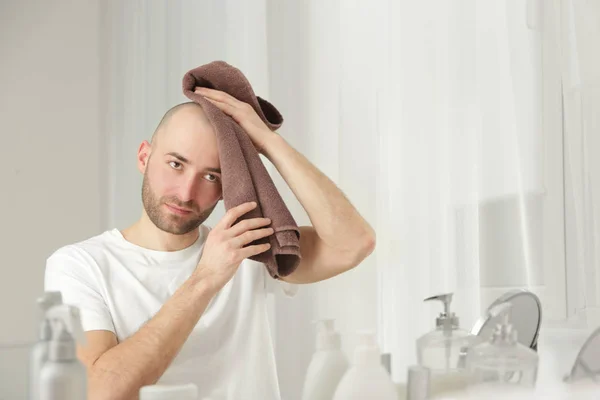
pixel 187 391
pixel 367 378
pixel 63 376
pixel 327 366
pixel 39 353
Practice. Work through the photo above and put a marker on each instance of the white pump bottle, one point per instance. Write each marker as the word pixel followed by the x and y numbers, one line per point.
pixel 39 353
pixel 367 378
pixel 328 364
pixel 63 375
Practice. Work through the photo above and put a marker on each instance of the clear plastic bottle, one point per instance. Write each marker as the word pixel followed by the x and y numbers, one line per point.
pixel 503 361
pixel 443 351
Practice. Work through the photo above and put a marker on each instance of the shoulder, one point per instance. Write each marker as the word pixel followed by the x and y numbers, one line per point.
pixel 84 252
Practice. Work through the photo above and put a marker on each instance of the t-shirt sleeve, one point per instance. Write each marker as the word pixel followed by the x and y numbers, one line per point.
pixel 71 271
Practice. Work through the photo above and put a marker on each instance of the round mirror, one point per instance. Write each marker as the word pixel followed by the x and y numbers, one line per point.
pixel 587 363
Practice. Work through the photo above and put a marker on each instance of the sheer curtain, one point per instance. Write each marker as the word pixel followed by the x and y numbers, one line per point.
pixel 471 193
pixel 442 122
pixel 579 34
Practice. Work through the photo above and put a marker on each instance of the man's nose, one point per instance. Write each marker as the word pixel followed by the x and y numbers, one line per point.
pixel 187 189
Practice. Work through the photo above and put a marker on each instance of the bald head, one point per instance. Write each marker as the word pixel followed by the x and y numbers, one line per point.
pixel 183 110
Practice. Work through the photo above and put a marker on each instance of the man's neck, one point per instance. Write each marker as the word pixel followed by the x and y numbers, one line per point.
pixel 145 234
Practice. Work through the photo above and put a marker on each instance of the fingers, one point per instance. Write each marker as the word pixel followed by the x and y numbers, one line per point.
pixel 226 108
pixel 251 236
pixel 235 213
pixel 247 225
pixel 250 251
pixel 217 95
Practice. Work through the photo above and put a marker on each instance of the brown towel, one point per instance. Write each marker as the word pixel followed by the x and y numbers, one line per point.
pixel 244 177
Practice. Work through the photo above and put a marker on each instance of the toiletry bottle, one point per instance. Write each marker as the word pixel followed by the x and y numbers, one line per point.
pixel 63 377
pixel 39 353
pixel 502 362
pixel 367 378
pixel 443 350
pixel 169 392
pixel 418 383
pixel 328 364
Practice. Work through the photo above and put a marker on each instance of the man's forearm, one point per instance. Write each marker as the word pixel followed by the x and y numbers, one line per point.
pixel 334 218
pixel 142 359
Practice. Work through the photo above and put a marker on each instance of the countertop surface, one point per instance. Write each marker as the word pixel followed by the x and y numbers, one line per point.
pixel 557 347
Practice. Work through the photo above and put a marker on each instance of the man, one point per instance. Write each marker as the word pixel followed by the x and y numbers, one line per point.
pixel 169 300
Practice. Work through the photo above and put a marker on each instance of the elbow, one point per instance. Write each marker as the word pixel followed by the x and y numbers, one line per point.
pixel 364 247
pixel 368 243
pixel 103 385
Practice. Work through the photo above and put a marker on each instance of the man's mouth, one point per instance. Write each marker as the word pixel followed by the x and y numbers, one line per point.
pixel 178 210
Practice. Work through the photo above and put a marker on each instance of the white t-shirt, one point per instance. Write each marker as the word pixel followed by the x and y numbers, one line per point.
pixel 118 286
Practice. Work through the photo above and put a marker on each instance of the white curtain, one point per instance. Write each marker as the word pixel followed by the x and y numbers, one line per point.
pixel 468 190
pixel 579 35
pixel 442 121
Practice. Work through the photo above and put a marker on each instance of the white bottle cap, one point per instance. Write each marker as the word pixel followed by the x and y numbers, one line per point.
pixel 169 392
pixel 327 337
pixel 367 351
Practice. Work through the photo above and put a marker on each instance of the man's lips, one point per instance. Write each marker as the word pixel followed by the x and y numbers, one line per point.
pixel 178 210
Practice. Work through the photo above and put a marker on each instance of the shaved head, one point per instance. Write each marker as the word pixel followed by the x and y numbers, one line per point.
pixel 173 112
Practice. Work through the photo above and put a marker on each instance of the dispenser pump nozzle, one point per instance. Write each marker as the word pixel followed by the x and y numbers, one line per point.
pixel 66 330
pixel 446 319
pixel 504 331
pixel 46 302
pixel 327 337
pixel 325 325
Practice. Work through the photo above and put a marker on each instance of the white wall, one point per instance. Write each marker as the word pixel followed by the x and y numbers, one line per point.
pixel 51 157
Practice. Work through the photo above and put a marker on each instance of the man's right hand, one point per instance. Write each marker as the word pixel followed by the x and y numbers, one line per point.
pixel 224 247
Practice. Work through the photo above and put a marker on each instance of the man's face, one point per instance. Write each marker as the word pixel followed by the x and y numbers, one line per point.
pixel 182 178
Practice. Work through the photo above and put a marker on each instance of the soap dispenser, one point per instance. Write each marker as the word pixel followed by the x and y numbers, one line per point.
pixel 502 360
pixel 39 353
pixel 63 376
pixel 442 350
pixel 328 364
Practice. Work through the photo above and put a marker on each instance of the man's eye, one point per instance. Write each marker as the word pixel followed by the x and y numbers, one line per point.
pixel 211 177
pixel 175 164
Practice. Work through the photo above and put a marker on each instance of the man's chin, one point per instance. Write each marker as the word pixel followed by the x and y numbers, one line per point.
pixel 182 228
pixel 179 231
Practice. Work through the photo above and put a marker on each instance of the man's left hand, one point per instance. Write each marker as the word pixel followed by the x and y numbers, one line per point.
pixel 242 113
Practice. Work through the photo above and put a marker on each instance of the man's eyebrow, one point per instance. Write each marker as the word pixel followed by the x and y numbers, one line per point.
pixel 179 157
pixel 211 169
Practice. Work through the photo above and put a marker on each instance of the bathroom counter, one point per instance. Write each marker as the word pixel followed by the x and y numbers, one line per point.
pixel 557 348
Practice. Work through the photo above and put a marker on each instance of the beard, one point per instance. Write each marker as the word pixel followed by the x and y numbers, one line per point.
pixel 168 222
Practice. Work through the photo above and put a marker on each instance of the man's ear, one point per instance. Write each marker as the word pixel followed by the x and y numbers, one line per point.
pixel 143 156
